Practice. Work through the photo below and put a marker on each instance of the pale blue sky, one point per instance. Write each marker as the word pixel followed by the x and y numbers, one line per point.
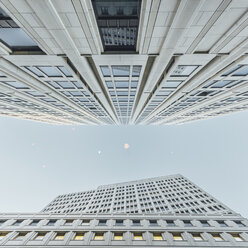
pixel 40 161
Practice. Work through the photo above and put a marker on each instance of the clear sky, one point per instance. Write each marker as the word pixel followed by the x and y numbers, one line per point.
pixel 40 161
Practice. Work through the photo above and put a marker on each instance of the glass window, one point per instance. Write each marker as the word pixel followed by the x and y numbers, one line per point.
pixel 79 85
pixel 239 223
pixel 76 93
pixel 34 222
pixel 134 84
pixel 171 84
pixel 237 237
pixel 99 236
pixel 177 236
pixel 118 236
pixel 222 223
pixel 187 223
pixel 85 222
pixel 197 236
pixel 137 236
pixel 35 93
pixel 220 84
pixel 68 222
pixel 39 236
pixel 2 221
pixel 204 223
pixel 53 84
pixel 121 71
pixel 183 70
pixel 102 223
pixel 3 235
pixel 65 71
pixel 110 84
pixel 119 222
pixel 231 70
pixel 121 84
pixel 16 37
pixel 35 71
pixel 136 71
pixel 243 71
pixel 157 236
pixel 17 85
pixel 51 222
pixel 66 84
pixel 217 237
pixel 105 71
pixel 153 222
pixel 59 236
pixel 136 222
pixel 50 71
pixel 209 83
pixel 79 236
pixel 20 236
pixel 170 223
pixel 18 223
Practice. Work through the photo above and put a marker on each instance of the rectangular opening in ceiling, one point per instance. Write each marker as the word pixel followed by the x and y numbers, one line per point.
pixel 14 37
pixel 118 23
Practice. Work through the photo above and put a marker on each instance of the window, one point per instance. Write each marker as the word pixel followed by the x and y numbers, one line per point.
pixel 50 71
pixel 204 223
pixel 222 223
pixel 99 236
pixel 105 71
pixel 66 84
pixel 136 71
pixel 18 223
pixel 34 222
pixel 118 236
pixel 65 71
pixel 3 235
pixel 59 236
pixel 177 237
pixel 137 236
pixel 121 84
pixel 237 237
pixel 231 70
pixel 157 236
pixel 220 84
pixel 17 85
pixel 217 237
pixel 197 236
pixel 51 222
pixel 2 222
pixel 40 236
pixel 68 223
pixel 239 223
pixel 183 70
pixel 20 236
pixel 121 71
pixel 119 223
pixel 102 223
pixel 85 222
pixel 171 84
pixel 153 222
pixel 170 223
pixel 187 223
pixel 136 222
pixel 243 71
pixel 35 71
pixel 79 236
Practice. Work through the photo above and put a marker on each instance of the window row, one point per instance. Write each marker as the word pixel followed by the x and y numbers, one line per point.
pixel 136 236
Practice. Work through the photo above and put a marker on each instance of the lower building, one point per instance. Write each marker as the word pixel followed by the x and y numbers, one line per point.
pixel 122 230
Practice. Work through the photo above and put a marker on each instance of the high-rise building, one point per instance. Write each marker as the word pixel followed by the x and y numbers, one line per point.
pixel 123 62
pixel 156 212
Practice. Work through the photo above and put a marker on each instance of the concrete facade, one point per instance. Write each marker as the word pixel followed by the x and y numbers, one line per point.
pixel 187 60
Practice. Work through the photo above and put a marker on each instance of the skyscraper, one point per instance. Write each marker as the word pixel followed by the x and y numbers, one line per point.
pixel 162 212
pixel 100 62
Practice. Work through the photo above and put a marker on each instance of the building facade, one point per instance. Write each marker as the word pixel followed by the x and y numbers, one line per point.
pixel 156 212
pixel 83 62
